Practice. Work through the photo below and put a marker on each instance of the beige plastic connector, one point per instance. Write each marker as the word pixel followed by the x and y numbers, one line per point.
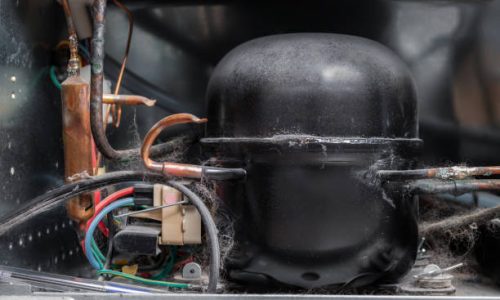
pixel 180 224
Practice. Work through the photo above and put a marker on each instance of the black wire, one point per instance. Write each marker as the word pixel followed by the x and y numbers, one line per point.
pixel 111 230
pixel 58 195
pixel 211 230
pixel 155 265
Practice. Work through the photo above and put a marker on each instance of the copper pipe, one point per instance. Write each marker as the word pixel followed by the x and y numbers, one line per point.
pixel 121 100
pixel 456 172
pixel 96 87
pixel 74 61
pixel 77 140
pixel 118 109
pixel 455 187
pixel 96 80
pixel 177 169
pixel 127 100
pixel 168 168
pixel 127 48
pixel 96 95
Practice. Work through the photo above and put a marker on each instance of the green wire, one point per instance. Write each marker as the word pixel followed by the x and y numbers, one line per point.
pixel 168 266
pixel 144 280
pixel 53 77
pixel 84 50
pixel 100 263
pixel 97 252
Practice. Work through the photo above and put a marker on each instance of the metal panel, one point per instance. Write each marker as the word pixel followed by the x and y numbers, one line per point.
pixel 31 159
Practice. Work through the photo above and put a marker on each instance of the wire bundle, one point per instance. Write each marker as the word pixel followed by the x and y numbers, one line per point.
pixel 55 197
pixel 97 259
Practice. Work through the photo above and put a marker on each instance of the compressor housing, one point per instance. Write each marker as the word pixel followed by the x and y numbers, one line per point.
pixel 311 117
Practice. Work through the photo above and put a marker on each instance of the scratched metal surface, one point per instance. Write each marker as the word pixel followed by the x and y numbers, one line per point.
pixel 31 157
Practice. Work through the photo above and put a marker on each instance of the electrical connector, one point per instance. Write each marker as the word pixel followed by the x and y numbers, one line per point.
pixel 143 194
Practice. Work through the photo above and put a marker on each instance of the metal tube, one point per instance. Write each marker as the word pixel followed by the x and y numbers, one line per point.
pixel 96 91
pixel 455 187
pixel 456 172
pixel 77 140
pixel 74 61
pixel 96 80
pixel 118 108
pixel 167 168
pixel 177 169
pixel 127 100
pixel 127 48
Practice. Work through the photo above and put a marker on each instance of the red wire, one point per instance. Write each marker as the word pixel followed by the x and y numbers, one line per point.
pixel 97 194
pixel 99 207
pixel 178 265
pixel 111 198
pixel 101 226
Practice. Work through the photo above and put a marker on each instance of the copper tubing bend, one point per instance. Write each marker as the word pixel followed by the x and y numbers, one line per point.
pixel 167 168
pixel 177 169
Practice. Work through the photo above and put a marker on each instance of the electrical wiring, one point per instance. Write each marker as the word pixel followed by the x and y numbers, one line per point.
pixel 210 227
pixel 55 197
pixel 90 232
pixel 112 231
pixel 211 231
pixel 53 77
pixel 155 265
pixel 99 264
pixel 181 263
pixel 108 200
pixel 101 226
pixel 168 266
pixel 168 269
pixel 144 280
pixel 97 251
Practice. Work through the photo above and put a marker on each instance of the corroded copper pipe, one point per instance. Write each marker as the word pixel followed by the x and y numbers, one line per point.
pixel 456 172
pixel 127 100
pixel 455 187
pixel 77 140
pixel 168 168
pixel 96 82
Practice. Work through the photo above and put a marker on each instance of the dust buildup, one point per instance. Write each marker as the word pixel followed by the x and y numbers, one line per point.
pixel 451 245
pixel 222 218
pixel 180 149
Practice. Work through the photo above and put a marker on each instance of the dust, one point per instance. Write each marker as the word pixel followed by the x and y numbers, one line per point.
pixel 222 218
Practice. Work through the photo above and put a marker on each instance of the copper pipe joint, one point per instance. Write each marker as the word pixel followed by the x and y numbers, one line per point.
pixel 169 168
pixel 74 61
